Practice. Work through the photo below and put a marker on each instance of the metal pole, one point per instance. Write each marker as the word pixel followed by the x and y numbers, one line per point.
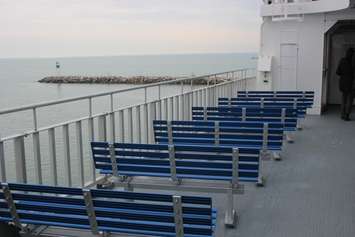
pixel 102 128
pixel 2 162
pixel 80 152
pixel 37 157
pixel 121 133
pixel 52 156
pixel 67 164
pixel 20 160
pixel 138 124
pixel 35 122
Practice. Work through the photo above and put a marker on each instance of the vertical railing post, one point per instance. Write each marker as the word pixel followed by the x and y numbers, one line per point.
pixel 166 109
pixel 36 149
pixel 79 150
pixel 146 123
pixel 35 121
pixel 20 160
pixel 67 164
pixel 138 124
pixel 112 120
pixel 121 134
pixel 171 109
pixel 2 162
pixel 91 138
pixel 52 156
pixel 176 108
pixel 183 106
pixel 152 117
pixel 159 109
pixel 129 126
pixel 37 157
pixel 159 92
pixel 102 128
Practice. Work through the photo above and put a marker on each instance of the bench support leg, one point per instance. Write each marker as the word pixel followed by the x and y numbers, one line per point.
pixel 299 124
pixel 261 181
pixel 231 214
pixel 277 156
pixel 265 155
pixel 289 137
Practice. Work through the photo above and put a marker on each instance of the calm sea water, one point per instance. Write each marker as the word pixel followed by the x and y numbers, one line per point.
pixel 19 86
pixel 18 77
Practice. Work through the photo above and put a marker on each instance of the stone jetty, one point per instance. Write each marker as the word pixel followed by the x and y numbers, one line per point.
pixel 119 80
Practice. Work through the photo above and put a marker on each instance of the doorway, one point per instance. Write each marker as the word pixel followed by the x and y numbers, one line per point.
pixel 337 40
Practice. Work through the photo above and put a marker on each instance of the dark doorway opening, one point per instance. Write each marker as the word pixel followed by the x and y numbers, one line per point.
pixel 337 40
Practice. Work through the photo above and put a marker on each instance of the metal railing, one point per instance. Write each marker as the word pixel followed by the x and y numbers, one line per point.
pixel 65 158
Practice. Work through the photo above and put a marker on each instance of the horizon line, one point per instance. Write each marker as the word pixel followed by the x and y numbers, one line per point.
pixel 128 55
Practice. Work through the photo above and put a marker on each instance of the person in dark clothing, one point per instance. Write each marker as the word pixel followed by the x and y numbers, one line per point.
pixel 346 71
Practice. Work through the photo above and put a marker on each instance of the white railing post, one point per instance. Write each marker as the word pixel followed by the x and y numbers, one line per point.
pixel 176 108
pixel 20 159
pixel 112 127
pixel 52 156
pixel 146 123
pixel 129 136
pixel 37 157
pixel 2 162
pixel 102 128
pixel 138 124
pixel 152 117
pixel 171 109
pixel 67 164
pixel 121 135
pixel 91 139
pixel 166 110
pixel 80 152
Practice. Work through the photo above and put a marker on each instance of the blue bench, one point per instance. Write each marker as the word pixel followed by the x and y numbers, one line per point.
pixel 278 94
pixel 286 116
pixel 179 167
pixel 301 104
pixel 105 211
pixel 262 136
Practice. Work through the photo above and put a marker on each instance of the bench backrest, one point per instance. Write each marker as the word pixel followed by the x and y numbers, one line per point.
pixel 287 116
pixel 177 161
pixel 299 94
pixel 236 134
pixel 111 211
pixel 277 94
pixel 267 102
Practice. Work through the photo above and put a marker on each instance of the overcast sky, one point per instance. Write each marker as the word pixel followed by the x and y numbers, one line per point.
pixel 57 28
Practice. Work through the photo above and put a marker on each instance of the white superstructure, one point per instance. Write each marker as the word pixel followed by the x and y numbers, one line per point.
pixel 302 42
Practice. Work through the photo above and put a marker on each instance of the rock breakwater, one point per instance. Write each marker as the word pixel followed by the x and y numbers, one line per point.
pixel 118 80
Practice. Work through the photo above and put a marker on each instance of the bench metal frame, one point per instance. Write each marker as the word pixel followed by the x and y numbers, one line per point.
pixel 230 188
pixel 87 197
pixel 265 151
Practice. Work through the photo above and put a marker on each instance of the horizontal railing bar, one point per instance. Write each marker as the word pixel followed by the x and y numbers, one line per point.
pixel 43 129
pixel 68 100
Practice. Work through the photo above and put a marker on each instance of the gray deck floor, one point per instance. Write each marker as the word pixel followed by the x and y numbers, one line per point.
pixel 310 193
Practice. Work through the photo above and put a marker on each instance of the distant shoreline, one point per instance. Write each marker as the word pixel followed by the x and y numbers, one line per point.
pixel 119 80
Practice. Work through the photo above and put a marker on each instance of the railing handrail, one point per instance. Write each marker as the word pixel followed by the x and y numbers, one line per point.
pixel 78 98
pixel 41 129
pixel 126 123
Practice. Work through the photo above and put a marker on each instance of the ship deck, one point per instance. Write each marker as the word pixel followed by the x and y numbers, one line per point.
pixel 310 193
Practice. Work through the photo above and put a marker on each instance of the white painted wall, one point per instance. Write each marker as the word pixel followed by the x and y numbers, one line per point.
pixel 308 35
pixel 279 7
